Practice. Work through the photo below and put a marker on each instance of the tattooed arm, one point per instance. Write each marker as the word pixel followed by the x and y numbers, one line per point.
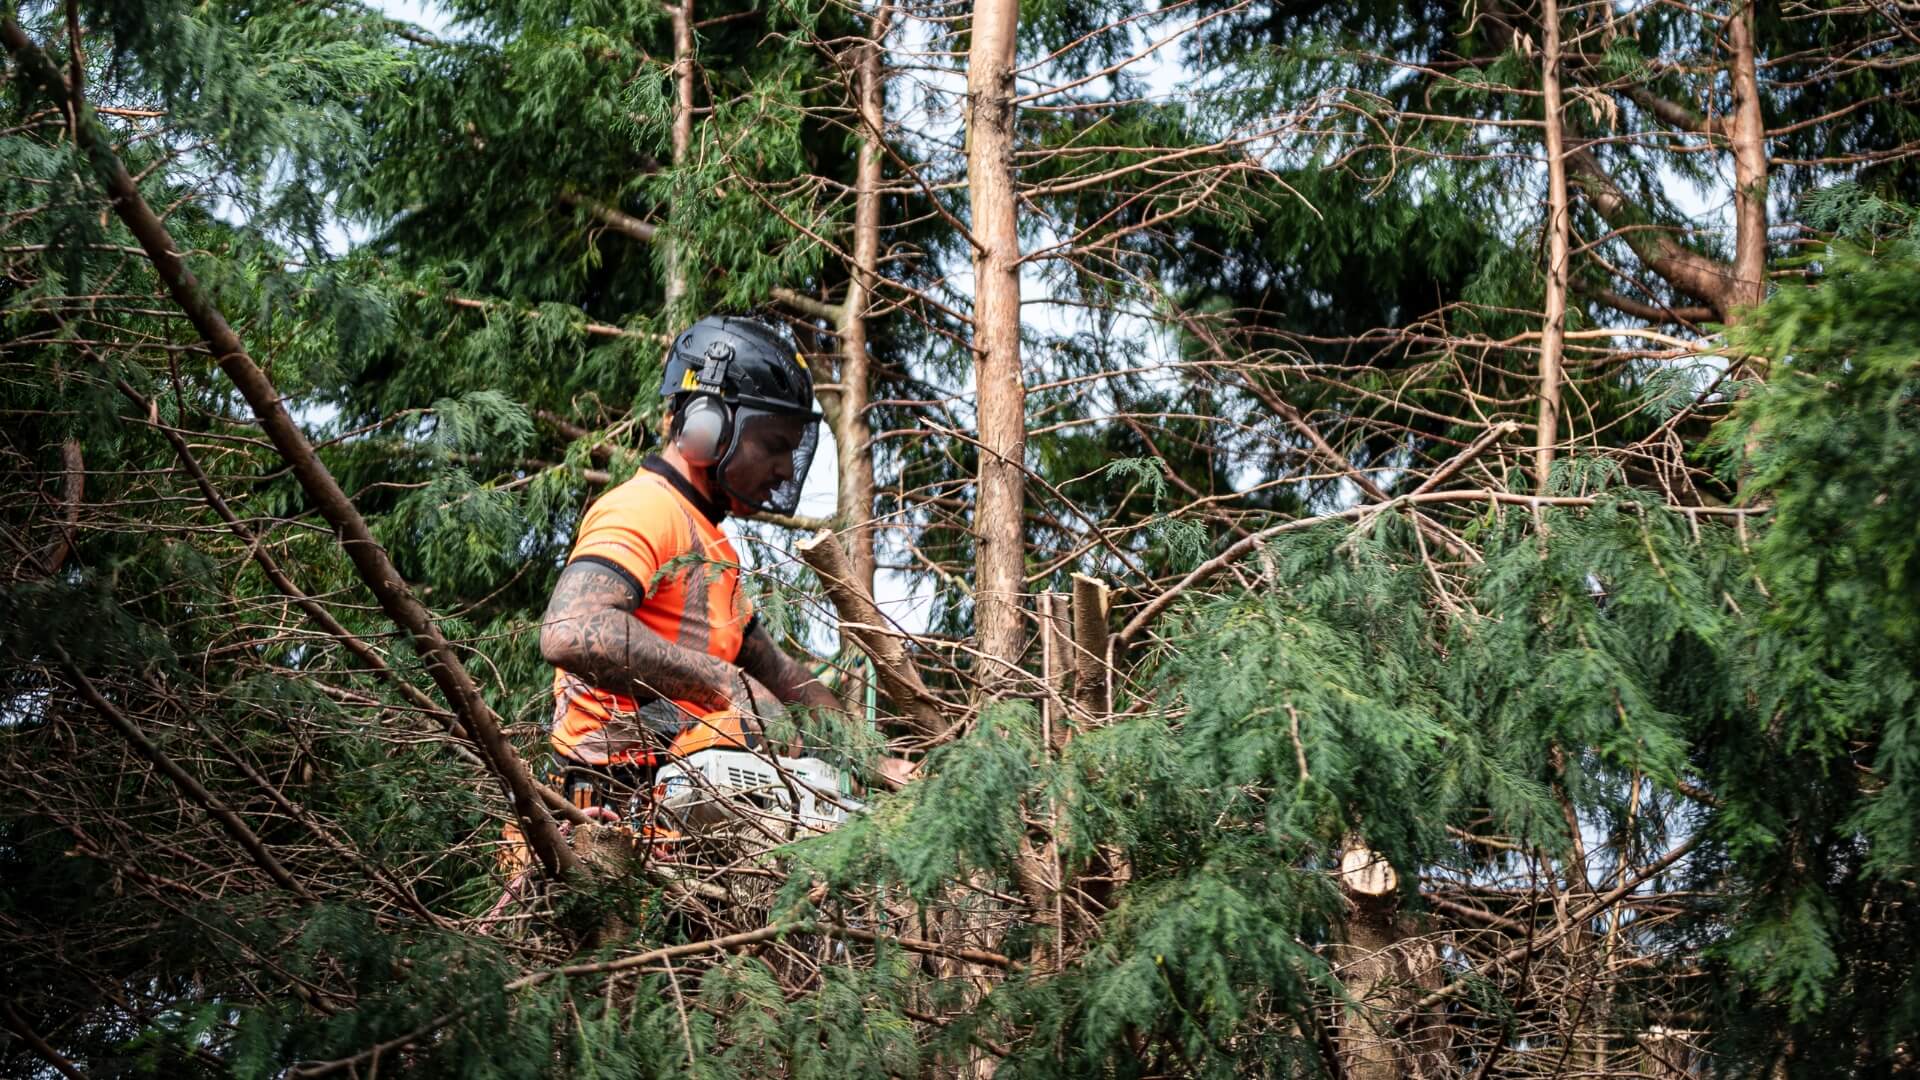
pixel 795 685
pixel 788 680
pixel 589 631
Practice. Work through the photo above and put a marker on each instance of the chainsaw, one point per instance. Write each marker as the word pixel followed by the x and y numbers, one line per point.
pixel 717 782
pixel 716 773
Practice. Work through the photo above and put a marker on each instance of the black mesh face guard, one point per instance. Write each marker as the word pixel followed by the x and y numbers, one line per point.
pixel 766 463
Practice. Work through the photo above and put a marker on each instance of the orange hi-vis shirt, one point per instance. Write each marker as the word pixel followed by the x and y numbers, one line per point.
pixel 637 530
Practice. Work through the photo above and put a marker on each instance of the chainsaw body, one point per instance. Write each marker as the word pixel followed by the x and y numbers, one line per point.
pixel 718 771
pixel 712 786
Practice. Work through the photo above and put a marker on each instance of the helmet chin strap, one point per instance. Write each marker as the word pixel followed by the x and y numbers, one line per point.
pixel 707 477
pixel 721 494
pixel 715 474
pixel 719 490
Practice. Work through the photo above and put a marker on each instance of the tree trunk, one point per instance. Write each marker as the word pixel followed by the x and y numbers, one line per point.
pixel 1553 335
pixel 1056 668
pixel 1383 971
pixel 1000 558
pixel 1365 962
pixel 682 14
pixel 73 493
pixel 1092 602
pixel 1749 131
pixel 853 434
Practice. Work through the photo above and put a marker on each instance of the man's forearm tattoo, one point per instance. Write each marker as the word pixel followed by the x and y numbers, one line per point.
pixel 789 681
pixel 589 630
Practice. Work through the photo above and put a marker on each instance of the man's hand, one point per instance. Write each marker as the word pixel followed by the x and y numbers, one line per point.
pixel 761 659
pixel 777 673
pixel 896 772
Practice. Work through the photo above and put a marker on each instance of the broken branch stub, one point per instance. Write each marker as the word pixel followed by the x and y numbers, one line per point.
pixel 1056 666
pixel 860 619
pixel 1091 600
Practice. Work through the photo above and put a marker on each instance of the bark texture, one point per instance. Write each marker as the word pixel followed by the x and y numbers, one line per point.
pixel 1750 167
pixel 853 434
pixel 1553 334
pixel 682 15
pixel 1091 603
pixel 1383 967
pixel 73 493
pixel 1000 561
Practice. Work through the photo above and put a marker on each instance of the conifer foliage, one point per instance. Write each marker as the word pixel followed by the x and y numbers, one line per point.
pixel 1406 510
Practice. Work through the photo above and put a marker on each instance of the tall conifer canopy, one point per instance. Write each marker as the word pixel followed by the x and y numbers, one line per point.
pixel 1386 527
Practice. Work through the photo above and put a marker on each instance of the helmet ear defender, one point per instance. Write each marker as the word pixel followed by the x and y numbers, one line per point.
pixel 703 431
pixel 706 422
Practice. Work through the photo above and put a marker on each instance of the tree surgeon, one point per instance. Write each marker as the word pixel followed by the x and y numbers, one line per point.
pixel 648 629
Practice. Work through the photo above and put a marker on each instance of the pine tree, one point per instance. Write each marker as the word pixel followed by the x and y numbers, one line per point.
pixel 1329 742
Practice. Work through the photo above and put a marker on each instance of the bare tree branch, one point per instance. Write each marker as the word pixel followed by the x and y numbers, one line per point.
pixel 643 231
pixel 182 779
pixel 376 570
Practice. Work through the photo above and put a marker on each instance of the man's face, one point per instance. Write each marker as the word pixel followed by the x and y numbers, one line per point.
pixel 763 455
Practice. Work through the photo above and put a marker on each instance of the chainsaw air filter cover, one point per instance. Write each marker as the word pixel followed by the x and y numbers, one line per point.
pixel 709 787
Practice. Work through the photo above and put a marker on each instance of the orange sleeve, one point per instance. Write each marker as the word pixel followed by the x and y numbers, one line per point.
pixel 636 528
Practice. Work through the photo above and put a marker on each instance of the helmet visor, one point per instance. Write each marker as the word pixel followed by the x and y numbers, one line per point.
pixel 767 462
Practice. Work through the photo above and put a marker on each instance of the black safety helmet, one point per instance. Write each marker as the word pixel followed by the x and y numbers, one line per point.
pixel 742 402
